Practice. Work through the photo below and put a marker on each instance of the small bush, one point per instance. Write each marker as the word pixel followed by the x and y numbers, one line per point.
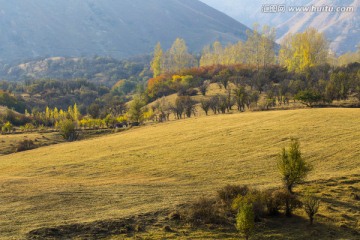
pixel 274 201
pixel 27 127
pixel 68 130
pixel 187 92
pixel 289 201
pixel 7 128
pixel 203 211
pixel 228 193
pixel 311 206
pixel 25 145
pixel 256 199
pixel 191 92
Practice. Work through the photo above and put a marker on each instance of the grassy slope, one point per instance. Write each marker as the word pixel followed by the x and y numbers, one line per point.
pixel 159 166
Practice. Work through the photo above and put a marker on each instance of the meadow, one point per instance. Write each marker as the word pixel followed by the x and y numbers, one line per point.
pixel 157 167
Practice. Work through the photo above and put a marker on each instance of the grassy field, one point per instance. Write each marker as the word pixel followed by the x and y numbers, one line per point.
pixel 157 167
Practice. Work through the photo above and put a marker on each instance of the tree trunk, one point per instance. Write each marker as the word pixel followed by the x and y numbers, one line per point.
pixel 288 210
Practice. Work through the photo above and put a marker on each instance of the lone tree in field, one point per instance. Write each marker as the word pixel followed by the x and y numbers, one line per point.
pixel 292 167
pixel 245 220
pixel 311 206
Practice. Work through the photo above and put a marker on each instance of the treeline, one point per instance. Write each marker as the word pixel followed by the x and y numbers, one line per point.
pixel 324 83
pixel 35 95
pixel 103 70
pixel 258 50
pixel 301 71
pixel 11 101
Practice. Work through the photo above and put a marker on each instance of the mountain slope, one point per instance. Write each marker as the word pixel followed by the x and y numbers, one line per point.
pixel 117 28
pixel 342 29
pixel 250 12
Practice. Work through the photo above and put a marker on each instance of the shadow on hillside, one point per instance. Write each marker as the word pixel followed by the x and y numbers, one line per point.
pixel 96 230
pixel 270 228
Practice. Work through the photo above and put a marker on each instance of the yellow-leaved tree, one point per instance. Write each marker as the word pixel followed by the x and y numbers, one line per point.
pixel 303 50
pixel 156 62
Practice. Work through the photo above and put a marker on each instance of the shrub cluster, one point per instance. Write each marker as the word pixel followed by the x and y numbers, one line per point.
pixel 25 145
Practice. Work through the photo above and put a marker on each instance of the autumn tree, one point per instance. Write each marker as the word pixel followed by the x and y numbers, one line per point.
pixel 178 58
pixel 216 54
pixel 303 50
pixel 267 46
pixel 214 103
pixel 241 96
pixel 156 62
pixel 205 105
pixel 204 87
pixel 260 46
pixel 162 109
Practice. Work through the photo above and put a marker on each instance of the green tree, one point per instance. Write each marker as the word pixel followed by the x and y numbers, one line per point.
pixel 94 110
pixel 292 167
pixel 308 97
pixel 136 113
pixel 245 220
pixel 156 62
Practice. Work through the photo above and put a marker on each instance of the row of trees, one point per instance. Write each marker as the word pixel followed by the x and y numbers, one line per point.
pixel 175 59
pixel 297 52
pixel 319 84
pixel 258 50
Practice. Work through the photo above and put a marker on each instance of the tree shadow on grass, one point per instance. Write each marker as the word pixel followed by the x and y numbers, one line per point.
pixel 298 227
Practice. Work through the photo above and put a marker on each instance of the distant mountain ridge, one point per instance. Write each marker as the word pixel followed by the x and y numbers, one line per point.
pixel 43 28
pixel 341 29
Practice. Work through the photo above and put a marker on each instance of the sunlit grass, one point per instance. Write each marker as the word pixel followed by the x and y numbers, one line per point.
pixel 159 166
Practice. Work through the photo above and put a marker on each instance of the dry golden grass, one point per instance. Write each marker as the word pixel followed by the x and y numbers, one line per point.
pixel 9 143
pixel 157 167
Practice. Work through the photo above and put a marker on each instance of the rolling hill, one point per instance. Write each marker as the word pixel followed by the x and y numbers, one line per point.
pixel 157 167
pixel 66 28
